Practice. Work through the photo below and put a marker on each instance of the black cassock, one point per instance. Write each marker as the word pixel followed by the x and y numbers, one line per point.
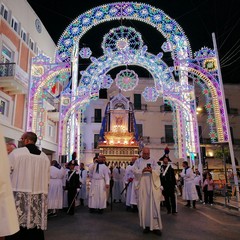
pixel 72 184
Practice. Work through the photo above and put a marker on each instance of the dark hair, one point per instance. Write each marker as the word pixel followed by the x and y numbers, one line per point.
pixel 185 162
pixel 31 136
pixel 74 156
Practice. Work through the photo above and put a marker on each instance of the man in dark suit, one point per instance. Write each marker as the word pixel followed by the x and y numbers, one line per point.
pixel 72 184
pixel 169 183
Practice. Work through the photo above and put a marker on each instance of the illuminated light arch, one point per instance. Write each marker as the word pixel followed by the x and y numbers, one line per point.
pixel 176 42
pixel 155 17
pixel 213 85
pixel 67 113
pixel 99 67
pixel 50 74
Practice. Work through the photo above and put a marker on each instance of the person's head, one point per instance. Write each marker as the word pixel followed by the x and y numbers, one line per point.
pixel 133 160
pixel 197 172
pixel 165 160
pixel 28 138
pixel 74 156
pixel 53 162
pixel 72 164
pixel 209 175
pixel 101 158
pixel 146 153
pixel 95 159
pixel 185 164
pixel 81 165
pixel 10 147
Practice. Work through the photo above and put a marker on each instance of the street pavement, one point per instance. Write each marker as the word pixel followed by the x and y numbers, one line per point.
pixel 206 222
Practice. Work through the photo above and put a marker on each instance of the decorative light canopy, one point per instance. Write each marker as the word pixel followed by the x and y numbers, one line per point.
pixel 126 80
pixel 124 10
pixel 122 39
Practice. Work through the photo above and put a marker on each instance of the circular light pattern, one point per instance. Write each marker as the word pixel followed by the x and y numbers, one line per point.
pixel 126 80
pixel 150 94
pixel 122 39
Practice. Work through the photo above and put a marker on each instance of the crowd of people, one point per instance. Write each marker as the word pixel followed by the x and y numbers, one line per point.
pixel 37 189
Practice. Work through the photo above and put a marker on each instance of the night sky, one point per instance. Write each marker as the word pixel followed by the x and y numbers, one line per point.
pixel 198 18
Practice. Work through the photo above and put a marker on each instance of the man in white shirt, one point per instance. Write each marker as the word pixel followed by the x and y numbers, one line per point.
pixel 99 177
pixel 30 179
pixel 147 172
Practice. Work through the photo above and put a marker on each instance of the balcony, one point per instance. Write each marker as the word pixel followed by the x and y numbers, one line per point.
pixel 236 141
pixel 165 108
pixel 168 140
pixel 205 141
pixel 233 111
pixel 96 120
pixel 146 139
pixel 13 79
pixel 142 107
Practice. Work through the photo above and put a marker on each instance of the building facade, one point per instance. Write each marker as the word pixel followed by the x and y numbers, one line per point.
pixel 156 126
pixel 22 36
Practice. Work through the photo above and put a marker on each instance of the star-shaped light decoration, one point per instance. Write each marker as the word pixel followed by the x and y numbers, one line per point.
pixel 85 52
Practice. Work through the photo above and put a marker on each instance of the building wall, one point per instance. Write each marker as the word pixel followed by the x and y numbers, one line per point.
pixel 154 121
pixel 19 11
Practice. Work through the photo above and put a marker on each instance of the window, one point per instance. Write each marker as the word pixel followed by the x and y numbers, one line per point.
pixel 7 55
pixel 23 35
pixel 4 106
pixel 14 24
pixel 98 116
pixel 140 129
pixel 50 131
pixel 137 102
pixel 103 93
pixel 4 12
pixel 169 133
pixel 31 43
pixel 232 136
pixel 96 138
pixel 227 105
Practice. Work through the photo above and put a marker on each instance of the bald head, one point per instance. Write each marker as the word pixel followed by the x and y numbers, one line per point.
pixel 146 153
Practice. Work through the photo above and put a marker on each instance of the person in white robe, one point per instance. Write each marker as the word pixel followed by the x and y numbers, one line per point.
pixel 99 175
pixel 118 184
pixel 55 192
pixel 189 191
pixel 83 183
pixel 8 214
pixel 30 178
pixel 129 178
pixel 147 172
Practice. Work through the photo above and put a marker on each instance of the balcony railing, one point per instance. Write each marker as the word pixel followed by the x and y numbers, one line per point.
pixel 233 111
pixel 168 140
pixel 146 139
pixel 205 140
pixel 13 79
pixel 7 69
pixel 165 108
pixel 236 141
pixel 143 107
pixel 96 119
